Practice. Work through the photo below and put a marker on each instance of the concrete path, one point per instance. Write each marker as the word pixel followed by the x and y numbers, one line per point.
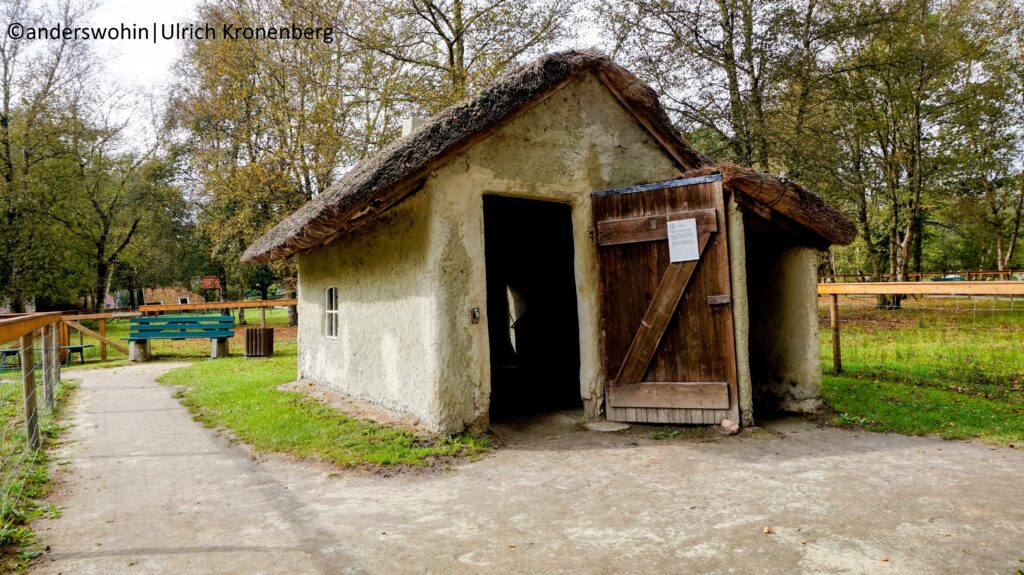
pixel 147 490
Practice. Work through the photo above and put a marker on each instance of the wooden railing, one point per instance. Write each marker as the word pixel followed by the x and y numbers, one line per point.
pixel 261 304
pixel 922 288
pixel 14 326
pixel 246 304
pixel 72 321
pixel 29 358
pixel 22 329
pixel 924 276
pixel 834 290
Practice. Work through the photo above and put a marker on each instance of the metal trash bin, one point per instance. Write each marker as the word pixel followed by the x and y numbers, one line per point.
pixel 259 341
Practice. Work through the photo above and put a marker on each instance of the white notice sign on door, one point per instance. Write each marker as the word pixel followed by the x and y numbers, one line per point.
pixel 682 241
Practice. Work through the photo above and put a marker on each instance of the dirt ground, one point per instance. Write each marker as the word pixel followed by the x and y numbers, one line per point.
pixel 147 490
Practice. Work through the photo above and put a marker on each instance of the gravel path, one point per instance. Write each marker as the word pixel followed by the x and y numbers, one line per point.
pixel 147 490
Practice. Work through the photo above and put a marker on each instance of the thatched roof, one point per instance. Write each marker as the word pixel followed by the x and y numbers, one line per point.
pixel 398 170
pixel 783 202
pixel 379 182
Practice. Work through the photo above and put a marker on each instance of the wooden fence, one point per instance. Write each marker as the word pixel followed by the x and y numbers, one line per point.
pixel 261 304
pixel 73 321
pixel 833 291
pixel 246 304
pixel 24 418
pixel 926 276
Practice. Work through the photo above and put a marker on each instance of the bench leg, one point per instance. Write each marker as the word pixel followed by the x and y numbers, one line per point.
pixel 218 348
pixel 138 350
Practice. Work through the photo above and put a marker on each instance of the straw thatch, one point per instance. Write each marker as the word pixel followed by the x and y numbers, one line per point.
pixel 379 182
pixel 783 202
pixel 399 170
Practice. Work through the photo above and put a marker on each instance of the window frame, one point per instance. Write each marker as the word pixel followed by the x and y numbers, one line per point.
pixel 331 312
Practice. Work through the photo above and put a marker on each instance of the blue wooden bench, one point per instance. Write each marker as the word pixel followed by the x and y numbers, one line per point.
pixel 217 328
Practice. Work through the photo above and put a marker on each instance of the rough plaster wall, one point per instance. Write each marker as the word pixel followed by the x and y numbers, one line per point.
pixel 740 309
pixel 386 349
pixel 577 141
pixel 409 281
pixel 784 356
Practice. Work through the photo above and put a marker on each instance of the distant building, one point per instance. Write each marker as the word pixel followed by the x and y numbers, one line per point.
pixel 171 295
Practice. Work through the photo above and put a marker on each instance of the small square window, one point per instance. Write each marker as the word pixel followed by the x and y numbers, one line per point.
pixel 331 313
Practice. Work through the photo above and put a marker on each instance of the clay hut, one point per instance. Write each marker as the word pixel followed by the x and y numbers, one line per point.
pixel 554 243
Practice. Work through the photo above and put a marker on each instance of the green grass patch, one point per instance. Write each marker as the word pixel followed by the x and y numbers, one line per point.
pixel 975 344
pixel 240 394
pixel 920 409
pixel 952 367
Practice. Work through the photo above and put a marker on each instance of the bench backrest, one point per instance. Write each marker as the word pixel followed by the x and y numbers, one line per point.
pixel 178 327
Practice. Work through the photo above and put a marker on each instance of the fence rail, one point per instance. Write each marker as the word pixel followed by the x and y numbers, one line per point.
pixel 922 288
pixel 247 304
pixel 938 333
pixel 925 276
pixel 29 357
pixel 97 332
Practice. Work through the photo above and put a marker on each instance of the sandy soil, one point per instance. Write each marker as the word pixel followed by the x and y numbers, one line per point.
pixel 147 490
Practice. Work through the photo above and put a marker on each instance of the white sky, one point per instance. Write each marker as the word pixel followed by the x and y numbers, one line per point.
pixel 146 64
pixel 142 68
pixel 140 64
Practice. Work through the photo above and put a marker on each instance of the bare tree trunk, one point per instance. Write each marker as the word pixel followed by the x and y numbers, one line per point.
pixel 758 131
pixel 100 286
pixel 1011 246
pixel 740 138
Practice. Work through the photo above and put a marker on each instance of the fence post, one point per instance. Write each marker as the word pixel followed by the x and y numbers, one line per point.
pixel 263 317
pixel 55 351
pixel 47 363
pixel 29 385
pixel 65 339
pixel 102 346
pixel 833 312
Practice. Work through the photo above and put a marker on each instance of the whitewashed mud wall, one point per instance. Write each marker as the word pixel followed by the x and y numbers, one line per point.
pixel 409 281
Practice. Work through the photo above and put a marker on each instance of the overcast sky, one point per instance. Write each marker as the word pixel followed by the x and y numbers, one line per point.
pixel 141 64
pixel 144 67
pixel 145 64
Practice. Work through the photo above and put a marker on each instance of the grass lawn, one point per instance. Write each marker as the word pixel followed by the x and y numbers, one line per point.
pixel 971 342
pixel 241 395
pixel 915 409
pixel 952 367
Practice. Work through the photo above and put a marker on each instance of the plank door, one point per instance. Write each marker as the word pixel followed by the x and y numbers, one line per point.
pixel 669 347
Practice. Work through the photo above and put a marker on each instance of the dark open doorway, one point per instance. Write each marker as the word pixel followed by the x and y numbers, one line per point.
pixel 531 307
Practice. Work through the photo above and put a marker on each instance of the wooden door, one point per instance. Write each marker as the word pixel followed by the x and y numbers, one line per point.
pixel 669 347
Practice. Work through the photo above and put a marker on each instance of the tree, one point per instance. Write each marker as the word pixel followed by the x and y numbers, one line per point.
pixel 261 126
pixel 458 46
pixel 99 193
pixel 716 63
pixel 34 80
pixel 921 82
